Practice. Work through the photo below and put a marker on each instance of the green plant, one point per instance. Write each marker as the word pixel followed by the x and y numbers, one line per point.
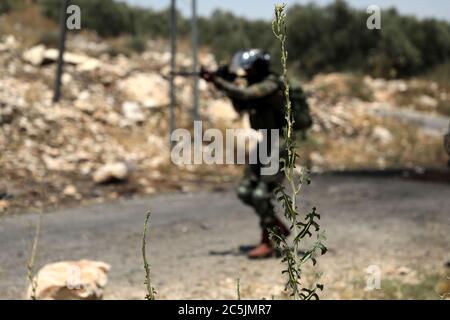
pixel 30 264
pixel 321 38
pixel 301 228
pixel 6 6
pixel 49 39
pixel 136 44
pixel 150 290
pixel 238 289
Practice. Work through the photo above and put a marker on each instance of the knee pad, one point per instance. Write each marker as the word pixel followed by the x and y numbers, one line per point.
pixel 261 199
pixel 244 192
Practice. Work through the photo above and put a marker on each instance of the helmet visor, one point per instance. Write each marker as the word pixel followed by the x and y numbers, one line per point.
pixel 244 60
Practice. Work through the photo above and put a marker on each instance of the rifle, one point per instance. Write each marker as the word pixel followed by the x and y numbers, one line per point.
pixel 222 72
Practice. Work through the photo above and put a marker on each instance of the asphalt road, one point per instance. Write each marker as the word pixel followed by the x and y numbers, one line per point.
pixel 195 238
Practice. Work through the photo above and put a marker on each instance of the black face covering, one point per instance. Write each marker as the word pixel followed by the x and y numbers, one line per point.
pixel 258 71
pixel 255 77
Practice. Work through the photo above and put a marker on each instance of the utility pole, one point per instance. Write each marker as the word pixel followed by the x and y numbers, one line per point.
pixel 195 70
pixel 173 66
pixel 62 47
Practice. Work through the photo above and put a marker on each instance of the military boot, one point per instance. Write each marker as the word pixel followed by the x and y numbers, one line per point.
pixel 264 250
pixel 282 227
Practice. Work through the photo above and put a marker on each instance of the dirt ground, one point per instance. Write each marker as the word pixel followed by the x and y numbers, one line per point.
pixel 198 241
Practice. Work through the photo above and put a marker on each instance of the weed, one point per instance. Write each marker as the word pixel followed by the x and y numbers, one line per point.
pixel 136 44
pixel 238 289
pixel 150 290
pixel 30 264
pixel 288 196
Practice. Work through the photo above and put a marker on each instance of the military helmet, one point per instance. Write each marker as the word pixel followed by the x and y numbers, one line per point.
pixel 256 59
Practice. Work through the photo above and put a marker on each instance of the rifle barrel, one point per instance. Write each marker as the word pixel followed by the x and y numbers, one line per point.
pixel 185 73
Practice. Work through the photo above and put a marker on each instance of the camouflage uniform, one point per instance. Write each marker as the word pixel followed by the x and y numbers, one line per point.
pixel 264 102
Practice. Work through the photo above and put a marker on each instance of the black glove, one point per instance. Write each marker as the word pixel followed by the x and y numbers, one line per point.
pixel 224 72
pixel 206 75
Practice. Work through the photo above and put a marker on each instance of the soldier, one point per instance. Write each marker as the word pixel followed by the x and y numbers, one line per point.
pixel 263 99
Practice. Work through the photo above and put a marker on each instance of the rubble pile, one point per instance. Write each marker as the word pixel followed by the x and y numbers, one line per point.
pixel 362 122
pixel 111 123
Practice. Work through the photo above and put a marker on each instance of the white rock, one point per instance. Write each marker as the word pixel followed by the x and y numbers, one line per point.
pixel 428 101
pixel 70 191
pixel 316 158
pixel 52 55
pixel 110 172
pixel 148 89
pixel 35 55
pixel 71 280
pixel 9 43
pixel 382 135
pixel 89 65
pixel 3 205
pixel 132 111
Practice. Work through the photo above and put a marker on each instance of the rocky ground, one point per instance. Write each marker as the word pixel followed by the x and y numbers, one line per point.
pixel 111 124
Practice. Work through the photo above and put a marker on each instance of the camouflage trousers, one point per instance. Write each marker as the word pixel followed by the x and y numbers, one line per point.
pixel 258 191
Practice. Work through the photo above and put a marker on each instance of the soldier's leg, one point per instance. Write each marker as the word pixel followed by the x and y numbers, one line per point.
pixel 247 185
pixel 263 197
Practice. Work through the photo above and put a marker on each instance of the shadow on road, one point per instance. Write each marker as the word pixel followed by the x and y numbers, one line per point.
pixel 242 251
pixel 440 175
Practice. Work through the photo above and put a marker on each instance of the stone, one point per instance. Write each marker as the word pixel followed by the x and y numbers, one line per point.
pixel 8 43
pixel 89 65
pixel 35 55
pixel 4 205
pixel 71 280
pixel 70 191
pixel 382 135
pixel 132 111
pixel 52 55
pixel 316 158
pixel 111 172
pixel 149 89
pixel 427 102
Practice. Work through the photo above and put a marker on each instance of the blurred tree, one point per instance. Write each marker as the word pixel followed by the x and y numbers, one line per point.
pixel 320 39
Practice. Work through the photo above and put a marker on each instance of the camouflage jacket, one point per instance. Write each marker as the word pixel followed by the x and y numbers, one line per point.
pixel 263 101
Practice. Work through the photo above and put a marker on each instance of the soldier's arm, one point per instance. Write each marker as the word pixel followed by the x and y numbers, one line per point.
pixel 255 91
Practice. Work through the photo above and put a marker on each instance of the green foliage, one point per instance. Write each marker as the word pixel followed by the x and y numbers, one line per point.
pixel 49 39
pixel 30 263
pixel 320 39
pixel 137 44
pixel 6 6
pixel 150 290
pixel 238 289
pixel 287 196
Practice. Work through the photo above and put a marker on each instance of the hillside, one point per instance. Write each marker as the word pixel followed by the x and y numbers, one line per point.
pixel 113 118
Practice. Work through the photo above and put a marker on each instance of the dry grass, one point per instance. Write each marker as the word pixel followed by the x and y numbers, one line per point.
pixel 27 24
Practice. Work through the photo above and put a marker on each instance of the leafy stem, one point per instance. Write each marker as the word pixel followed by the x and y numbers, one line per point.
pixel 301 228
